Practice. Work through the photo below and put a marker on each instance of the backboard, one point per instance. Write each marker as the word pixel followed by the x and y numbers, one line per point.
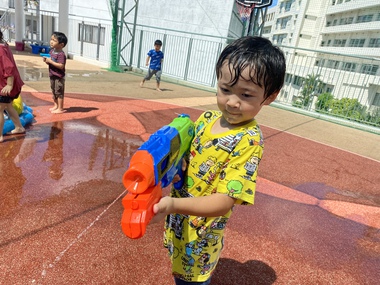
pixel 255 3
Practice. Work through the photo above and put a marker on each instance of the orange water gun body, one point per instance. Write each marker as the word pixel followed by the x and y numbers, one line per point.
pixel 152 168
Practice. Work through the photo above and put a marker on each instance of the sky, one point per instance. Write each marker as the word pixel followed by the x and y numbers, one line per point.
pixel 274 3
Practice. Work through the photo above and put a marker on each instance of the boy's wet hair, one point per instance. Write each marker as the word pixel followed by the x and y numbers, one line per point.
pixel 266 63
pixel 61 38
pixel 158 42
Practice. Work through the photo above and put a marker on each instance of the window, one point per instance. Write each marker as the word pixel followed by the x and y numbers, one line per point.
pixel 284 22
pixel 357 42
pixel 349 66
pixel 364 18
pixel 346 21
pixel 369 69
pixel 30 26
pixel 279 38
pixel 374 42
pixel 376 100
pixel 297 80
pixel 320 62
pixel 329 89
pixel 333 64
pixel 91 34
pixel 288 78
pixel 339 43
pixel 288 5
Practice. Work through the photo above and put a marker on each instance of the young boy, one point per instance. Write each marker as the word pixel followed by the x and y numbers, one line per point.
pixel 154 60
pixel 57 63
pixel 223 159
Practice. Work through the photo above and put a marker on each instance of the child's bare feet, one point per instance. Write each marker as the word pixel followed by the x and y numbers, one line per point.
pixel 141 84
pixel 16 131
pixel 158 89
pixel 53 108
pixel 1 139
pixel 58 111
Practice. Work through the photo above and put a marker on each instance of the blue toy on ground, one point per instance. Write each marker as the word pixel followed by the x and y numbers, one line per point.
pixel 26 118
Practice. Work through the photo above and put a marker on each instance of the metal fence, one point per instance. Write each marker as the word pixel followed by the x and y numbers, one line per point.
pixel 332 86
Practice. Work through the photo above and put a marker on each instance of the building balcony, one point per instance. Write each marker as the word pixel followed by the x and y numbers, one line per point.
pixel 351 6
pixel 368 52
pixel 351 28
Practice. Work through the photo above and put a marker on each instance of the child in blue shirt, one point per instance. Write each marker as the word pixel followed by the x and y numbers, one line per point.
pixel 154 60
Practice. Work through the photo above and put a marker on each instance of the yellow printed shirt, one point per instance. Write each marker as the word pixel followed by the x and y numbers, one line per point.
pixel 224 163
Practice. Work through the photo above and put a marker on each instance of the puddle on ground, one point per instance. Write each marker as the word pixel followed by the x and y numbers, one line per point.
pixel 54 158
pixel 29 72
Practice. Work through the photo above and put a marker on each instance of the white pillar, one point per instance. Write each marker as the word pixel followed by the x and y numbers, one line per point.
pixel 63 20
pixel 19 24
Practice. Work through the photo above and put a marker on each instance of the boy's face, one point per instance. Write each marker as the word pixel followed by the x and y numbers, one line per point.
pixel 157 47
pixel 240 103
pixel 55 44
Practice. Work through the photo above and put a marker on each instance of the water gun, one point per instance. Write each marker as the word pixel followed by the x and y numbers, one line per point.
pixel 152 168
pixel 45 55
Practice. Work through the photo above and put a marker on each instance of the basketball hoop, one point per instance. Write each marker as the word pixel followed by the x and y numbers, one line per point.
pixel 244 9
pixel 245 12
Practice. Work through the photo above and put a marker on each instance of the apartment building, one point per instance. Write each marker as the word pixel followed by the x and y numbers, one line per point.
pixel 338 40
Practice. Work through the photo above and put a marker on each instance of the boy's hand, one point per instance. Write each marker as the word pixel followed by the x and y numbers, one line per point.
pixel 46 59
pixel 162 209
pixel 6 89
pixel 165 206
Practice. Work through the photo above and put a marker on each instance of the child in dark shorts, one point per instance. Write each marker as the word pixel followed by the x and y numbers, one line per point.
pixel 57 64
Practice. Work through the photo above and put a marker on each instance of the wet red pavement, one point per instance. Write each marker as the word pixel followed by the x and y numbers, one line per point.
pixel 316 218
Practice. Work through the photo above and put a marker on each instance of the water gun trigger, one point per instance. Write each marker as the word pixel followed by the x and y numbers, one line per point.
pixel 178 185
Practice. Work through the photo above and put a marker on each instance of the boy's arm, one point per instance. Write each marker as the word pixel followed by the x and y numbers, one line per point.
pixel 214 205
pixel 147 60
pixel 8 88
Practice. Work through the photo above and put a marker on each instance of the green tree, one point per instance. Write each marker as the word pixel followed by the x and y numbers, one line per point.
pixel 324 102
pixel 348 108
pixel 311 86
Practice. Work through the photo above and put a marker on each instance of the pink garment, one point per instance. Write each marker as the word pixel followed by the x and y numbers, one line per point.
pixel 8 68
